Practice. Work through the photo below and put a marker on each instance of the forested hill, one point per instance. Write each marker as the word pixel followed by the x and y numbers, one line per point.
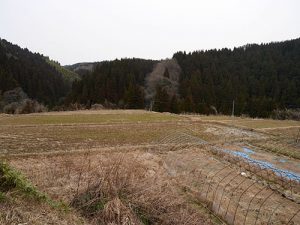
pixel 259 78
pixel 30 71
pixel 120 82
pixel 82 68
pixel 68 75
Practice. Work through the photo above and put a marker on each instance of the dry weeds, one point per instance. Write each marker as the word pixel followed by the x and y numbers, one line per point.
pixel 19 210
pixel 131 188
pixel 114 171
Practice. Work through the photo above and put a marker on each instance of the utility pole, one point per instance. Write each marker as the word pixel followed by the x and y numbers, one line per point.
pixel 151 105
pixel 232 109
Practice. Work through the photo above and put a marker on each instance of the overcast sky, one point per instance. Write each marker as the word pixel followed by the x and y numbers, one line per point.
pixel 71 31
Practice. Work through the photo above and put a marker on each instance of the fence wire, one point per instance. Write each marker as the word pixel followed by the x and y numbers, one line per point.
pixel 236 198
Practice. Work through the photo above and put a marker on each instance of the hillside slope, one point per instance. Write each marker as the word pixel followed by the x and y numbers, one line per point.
pixel 119 81
pixel 82 68
pixel 22 68
pixel 68 75
pixel 258 78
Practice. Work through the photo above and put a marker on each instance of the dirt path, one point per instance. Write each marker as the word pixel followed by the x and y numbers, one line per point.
pixel 278 128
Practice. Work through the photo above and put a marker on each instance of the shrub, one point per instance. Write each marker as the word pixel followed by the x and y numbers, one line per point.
pixel 286 114
pixel 17 102
pixel 11 108
pixel 24 107
pixel 97 106
pixel 30 106
pixel 121 190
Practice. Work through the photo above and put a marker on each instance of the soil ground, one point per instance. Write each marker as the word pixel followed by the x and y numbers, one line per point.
pixel 60 153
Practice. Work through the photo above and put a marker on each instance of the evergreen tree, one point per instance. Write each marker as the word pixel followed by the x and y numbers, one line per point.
pixel 259 78
pixel 161 100
pixel 30 71
pixel 134 97
pixel 174 105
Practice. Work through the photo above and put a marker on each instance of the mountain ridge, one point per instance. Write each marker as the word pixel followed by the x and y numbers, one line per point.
pixel 258 77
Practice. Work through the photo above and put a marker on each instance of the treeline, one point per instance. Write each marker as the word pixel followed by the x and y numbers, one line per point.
pixel 120 82
pixel 258 78
pixel 30 71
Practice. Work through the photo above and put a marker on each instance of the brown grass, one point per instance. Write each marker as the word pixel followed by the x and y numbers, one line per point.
pixel 20 210
pixel 131 195
pixel 123 171
pixel 131 188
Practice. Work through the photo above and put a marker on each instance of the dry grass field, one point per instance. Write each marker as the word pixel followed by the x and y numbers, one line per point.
pixel 139 167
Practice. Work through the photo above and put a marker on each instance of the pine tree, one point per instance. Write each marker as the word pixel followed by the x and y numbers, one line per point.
pixel 161 100
pixel 134 97
pixel 174 105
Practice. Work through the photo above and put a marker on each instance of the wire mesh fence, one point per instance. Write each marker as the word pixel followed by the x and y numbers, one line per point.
pixel 247 197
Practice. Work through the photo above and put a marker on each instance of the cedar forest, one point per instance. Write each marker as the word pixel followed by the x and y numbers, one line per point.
pixel 258 78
